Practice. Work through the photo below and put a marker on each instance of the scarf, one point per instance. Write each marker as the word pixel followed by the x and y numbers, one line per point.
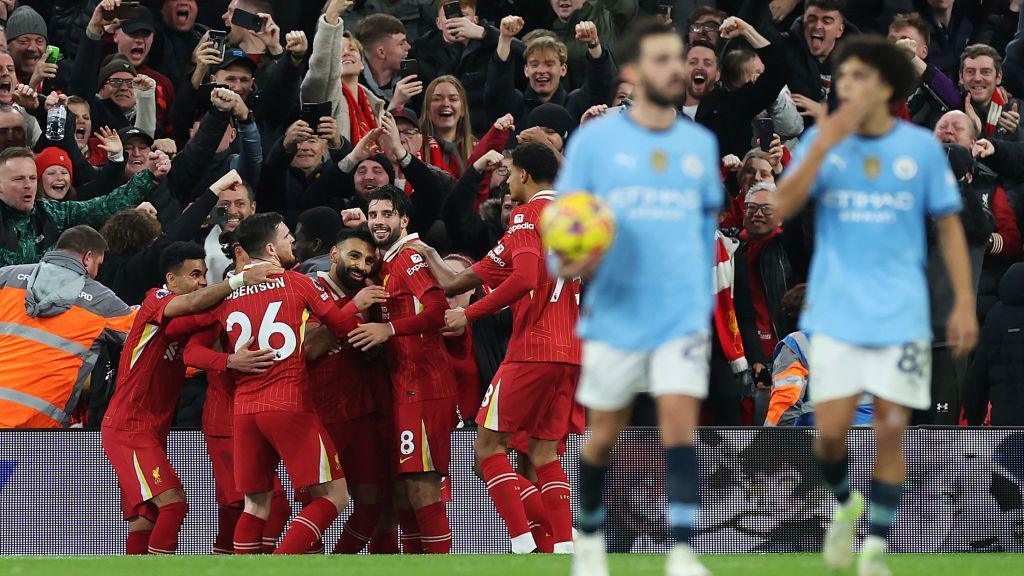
pixel 726 326
pixel 762 314
pixel 995 110
pixel 360 117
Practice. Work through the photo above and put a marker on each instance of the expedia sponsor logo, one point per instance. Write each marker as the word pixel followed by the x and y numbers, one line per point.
pixel 497 260
pixel 523 226
pixel 416 268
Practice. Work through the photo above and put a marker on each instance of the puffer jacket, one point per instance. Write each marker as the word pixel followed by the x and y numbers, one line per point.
pixel 26 236
pixel 997 374
pixel 65 22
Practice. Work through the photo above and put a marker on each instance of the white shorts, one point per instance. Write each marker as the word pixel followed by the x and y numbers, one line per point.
pixel 900 373
pixel 611 377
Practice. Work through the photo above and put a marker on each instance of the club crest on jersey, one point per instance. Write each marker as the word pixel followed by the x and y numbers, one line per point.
pixel 904 168
pixel 659 160
pixel 161 293
pixel 872 167
pixel 156 475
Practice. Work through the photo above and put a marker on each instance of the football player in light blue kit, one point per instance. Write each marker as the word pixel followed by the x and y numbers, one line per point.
pixel 647 308
pixel 874 180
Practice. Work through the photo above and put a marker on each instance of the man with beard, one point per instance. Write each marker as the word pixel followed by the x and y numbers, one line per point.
pixel 343 381
pixel 423 385
pixel 981 74
pixel 647 330
pixel 545 68
pixel 730 113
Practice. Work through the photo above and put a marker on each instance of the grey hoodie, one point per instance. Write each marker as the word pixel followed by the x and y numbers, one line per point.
pixel 55 285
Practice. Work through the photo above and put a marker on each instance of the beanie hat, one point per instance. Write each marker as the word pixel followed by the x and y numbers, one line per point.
pixel 553 116
pixel 53 156
pixel 24 20
pixel 113 64
pixel 385 163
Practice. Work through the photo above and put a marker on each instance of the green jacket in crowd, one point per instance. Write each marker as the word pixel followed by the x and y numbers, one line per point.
pixel 26 236
pixel 612 18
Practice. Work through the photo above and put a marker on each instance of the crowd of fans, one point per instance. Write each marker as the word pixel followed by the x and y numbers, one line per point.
pixel 134 112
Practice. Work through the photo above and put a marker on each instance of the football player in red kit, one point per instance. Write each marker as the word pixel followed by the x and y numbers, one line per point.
pixel 342 380
pixel 218 413
pixel 274 417
pixel 150 374
pixel 534 387
pixel 423 386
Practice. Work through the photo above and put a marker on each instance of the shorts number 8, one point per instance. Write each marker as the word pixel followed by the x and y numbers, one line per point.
pixel 407 446
pixel 487 396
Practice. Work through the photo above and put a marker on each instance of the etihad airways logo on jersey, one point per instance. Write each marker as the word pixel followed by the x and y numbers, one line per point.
pixel 646 203
pixel 272 284
pixel 875 207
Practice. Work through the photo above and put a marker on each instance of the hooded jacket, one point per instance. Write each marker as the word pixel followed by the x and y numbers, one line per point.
pixel 997 374
pixel 26 236
pixel 53 320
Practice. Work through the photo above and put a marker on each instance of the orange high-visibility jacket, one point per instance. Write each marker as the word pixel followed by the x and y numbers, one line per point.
pixel 46 360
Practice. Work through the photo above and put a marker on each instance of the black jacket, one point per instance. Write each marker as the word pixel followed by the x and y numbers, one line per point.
pixel 199 164
pixel 84 83
pixel 283 187
pixel 131 275
pixel 467 62
pixel 997 374
pixel 467 231
pixel 777 276
pixel 730 113
pixel 501 96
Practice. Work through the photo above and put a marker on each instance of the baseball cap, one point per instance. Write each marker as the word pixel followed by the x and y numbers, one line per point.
pixel 407 114
pixel 133 132
pixel 237 56
pixel 145 21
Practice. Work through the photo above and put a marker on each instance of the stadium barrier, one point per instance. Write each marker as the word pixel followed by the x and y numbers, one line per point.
pixel 760 492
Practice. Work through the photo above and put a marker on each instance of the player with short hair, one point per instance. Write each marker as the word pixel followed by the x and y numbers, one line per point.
pixel 342 380
pixel 274 416
pixel 647 329
pixel 534 387
pixel 151 371
pixel 874 180
pixel 423 383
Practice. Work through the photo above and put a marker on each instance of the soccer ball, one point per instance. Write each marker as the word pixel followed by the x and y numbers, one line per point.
pixel 577 225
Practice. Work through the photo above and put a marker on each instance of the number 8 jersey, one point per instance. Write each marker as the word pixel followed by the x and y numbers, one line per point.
pixel 274 315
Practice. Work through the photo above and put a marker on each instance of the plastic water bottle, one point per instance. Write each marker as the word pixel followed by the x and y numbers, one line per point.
pixel 55 120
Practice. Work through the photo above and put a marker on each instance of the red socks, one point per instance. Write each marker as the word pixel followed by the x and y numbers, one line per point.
pixel 308 527
pixel 358 529
pixel 164 539
pixel 137 542
pixel 503 486
pixel 537 515
pixel 410 531
pixel 280 511
pixel 227 517
pixel 554 490
pixel 248 537
pixel 384 543
pixel 435 532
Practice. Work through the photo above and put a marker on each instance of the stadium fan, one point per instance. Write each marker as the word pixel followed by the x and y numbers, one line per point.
pixel 423 385
pixel 467 230
pixel 385 46
pixel 274 418
pixel 879 340
pixel 416 16
pixel 343 381
pixel 936 94
pixel 177 36
pixel 335 66
pixel 535 385
pixel 545 68
pixel 26 40
pixel 150 373
pixel 611 21
pixel 447 132
pixel 742 66
pixel 704 25
pixel 460 47
pixel 51 307
pixel 315 238
pixel 134 40
pixel 951 26
pixel 994 113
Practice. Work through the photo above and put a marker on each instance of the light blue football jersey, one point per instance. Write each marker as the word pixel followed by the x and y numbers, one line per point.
pixel 654 284
pixel 867 282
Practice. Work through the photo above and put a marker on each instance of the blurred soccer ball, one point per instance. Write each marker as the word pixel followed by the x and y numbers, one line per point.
pixel 577 225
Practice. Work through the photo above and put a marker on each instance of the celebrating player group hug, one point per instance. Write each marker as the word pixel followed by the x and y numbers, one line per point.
pixel 344 375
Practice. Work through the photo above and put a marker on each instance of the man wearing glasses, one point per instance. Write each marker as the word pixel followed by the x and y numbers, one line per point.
pixel 764 273
pixel 704 24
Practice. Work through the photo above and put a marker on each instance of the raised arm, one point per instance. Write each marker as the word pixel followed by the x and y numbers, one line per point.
pixel 451 282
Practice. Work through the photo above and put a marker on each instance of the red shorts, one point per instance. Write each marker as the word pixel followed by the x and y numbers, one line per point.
pixel 535 397
pixel 221 450
pixel 298 438
pixel 359 443
pixel 140 462
pixel 520 441
pixel 423 435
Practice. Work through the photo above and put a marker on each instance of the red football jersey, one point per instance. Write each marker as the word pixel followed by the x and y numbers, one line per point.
pixel 543 321
pixel 151 369
pixel 341 380
pixel 274 315
pixel 418 363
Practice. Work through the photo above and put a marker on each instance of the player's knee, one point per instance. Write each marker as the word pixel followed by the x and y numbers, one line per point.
pixel 169 497
pixel 543 452
pixel 487 444
pixel 140 524
pixel 258 503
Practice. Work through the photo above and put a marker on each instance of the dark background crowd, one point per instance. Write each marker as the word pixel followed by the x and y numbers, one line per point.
pixel 133 112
